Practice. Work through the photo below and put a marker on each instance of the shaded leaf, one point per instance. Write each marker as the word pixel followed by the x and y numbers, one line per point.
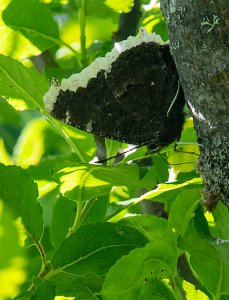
pixel 62 219
pixel 44 290
pixel 221 217
pixel 94 248
pixel 70 285
pixel 17 81
pixel 97 210
pixel 25 16
pixel 207 254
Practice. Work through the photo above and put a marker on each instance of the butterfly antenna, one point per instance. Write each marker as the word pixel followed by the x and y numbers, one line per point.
pixel 186 143
pixel 117 155
pixel 183 163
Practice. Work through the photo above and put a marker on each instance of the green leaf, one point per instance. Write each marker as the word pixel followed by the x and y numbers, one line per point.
pixel 105 8
pixel 149 181
pixel 71 285
pixel 156 260
pixel 62 219
pixel 72 288
pixel 152 227
pixel 8 113
pixel 221 217
pixel 162 168
pixel 34 21
pixel 94 248
pixel 167 192
pixel 84 182
pixel 97 210
pixel 17 81
pixel 44 290
pixel 154 289
pixel 182 210
pixel 207 254
pixel 19 193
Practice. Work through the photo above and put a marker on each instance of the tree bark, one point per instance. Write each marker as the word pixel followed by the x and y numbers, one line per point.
pixel 199 42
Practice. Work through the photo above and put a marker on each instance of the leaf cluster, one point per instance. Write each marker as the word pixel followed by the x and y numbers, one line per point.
pixel 72 228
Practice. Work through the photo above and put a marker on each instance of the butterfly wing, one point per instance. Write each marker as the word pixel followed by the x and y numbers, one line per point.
pixel 129 100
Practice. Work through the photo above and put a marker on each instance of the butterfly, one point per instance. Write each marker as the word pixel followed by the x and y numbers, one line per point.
pixel 131 95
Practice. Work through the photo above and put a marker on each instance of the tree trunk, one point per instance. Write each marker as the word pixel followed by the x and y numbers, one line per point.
pixel 199 42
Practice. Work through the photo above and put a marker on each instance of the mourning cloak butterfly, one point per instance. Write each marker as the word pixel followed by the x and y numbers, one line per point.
pixel 131 95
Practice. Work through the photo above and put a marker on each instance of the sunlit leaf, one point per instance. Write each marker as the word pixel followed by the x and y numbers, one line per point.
pixel 84 182
pixel 192 293
pixel 16 45
pixel 4 156
pixel 185 152
pixel 182 210
pixel 12 262
pixel 105 8
pixel 168 191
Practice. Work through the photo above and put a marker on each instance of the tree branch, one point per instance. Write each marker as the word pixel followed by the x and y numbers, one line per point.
pixel 199 42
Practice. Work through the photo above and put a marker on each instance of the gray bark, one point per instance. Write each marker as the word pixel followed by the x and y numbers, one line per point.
pixel 199 41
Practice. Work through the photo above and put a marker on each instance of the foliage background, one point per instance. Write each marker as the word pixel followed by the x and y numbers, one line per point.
pixel 75 229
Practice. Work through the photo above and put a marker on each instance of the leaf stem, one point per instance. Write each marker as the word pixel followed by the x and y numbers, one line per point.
pixel 81 207
pixel 82 23
pixel 78 219
pixel 44 263
pixel 86 208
